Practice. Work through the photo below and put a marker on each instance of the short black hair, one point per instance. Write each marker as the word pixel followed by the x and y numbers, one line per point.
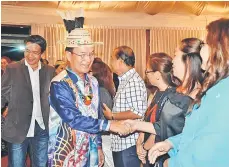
pixel 38 40
pixel 126 54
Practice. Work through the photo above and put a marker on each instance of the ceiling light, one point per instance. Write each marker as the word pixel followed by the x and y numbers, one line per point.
pixel 21 48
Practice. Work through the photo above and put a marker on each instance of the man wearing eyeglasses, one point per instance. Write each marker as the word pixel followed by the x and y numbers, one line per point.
pixel 25 87
pixel 75 123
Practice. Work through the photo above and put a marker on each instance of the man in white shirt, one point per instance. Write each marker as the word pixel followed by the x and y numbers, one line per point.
pixel 25 87
pixel 130 102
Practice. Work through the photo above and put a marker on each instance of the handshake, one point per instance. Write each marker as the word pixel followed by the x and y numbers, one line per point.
pixel 123 128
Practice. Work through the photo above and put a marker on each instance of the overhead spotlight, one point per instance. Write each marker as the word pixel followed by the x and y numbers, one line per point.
pixel 21 48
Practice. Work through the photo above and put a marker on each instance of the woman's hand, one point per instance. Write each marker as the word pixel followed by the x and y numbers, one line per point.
pixel 141 152
pixel 159 149
pixel 132 124
pixel 120 128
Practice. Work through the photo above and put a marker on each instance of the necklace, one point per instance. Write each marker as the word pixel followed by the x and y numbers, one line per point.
pixel 89 94
pixel 88 91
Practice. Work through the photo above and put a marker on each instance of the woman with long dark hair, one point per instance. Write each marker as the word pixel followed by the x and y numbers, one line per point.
pixel 167 111
pixel 158 74
pixel 204 140
pixel 104 75
pixel 186 67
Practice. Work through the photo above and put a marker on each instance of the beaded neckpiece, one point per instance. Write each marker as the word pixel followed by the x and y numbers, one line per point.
pixel 88 91
pixel 89 94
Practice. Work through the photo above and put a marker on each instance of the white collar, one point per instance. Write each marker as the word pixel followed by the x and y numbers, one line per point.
pixel 126 74
pixel 39 65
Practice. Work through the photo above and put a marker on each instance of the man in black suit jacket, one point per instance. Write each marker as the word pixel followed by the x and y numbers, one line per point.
pixel 25 87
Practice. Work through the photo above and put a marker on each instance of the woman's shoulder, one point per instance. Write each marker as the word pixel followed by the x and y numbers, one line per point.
pixel 217 95
pixel 105 97
pixel 104 92
pixel 221 86
pixel 180 100
pixel 102 89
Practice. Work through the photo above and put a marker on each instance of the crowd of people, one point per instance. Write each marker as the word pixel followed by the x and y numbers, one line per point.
pixel 75 114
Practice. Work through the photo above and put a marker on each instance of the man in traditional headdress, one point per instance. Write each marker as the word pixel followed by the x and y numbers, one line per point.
pixel 74 139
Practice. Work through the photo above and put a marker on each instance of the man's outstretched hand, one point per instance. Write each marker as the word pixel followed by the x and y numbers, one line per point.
pixel 120 127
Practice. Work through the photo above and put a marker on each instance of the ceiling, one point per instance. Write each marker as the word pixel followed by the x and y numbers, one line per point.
pixel 150 7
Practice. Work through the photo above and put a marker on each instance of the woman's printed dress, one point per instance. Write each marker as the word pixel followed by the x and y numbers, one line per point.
pixel 73 127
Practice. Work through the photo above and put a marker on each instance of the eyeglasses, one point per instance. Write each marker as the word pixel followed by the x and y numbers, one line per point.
pixel 27 51
pixel 147 72
pixel 83 56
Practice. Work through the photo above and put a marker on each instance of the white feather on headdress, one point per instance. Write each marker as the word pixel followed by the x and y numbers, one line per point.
pixel 72 19
pixel 70 14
